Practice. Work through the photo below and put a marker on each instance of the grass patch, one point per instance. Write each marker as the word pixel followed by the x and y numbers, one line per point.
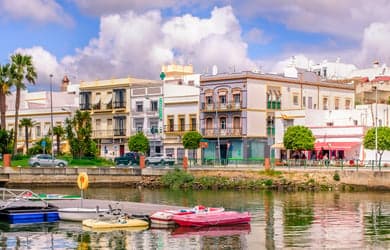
pixel 270 172
pixel 177 178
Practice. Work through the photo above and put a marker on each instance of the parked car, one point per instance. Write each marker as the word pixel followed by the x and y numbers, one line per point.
pixel 130 158
pixel 159 159
pixel 46 160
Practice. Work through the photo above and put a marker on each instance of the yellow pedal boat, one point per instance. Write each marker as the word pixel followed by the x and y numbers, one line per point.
pixel 114 224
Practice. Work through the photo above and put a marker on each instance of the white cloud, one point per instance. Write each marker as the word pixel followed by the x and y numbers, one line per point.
pixel 347 18
pixel 375 43
pixel 138 44
pixel 41 11
pixel 104 7
pixel 257 36
pixel 45 64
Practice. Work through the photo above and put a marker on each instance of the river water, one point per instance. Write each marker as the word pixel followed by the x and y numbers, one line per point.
pixel 324 220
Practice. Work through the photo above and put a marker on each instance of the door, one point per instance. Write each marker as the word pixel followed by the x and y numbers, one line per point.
pixel 121 150
pixel 224 158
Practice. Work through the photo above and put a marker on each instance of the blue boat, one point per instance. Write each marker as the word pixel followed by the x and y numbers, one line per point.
pixel 15 209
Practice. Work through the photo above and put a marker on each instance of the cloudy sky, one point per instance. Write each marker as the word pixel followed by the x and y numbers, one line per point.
pixel 99 39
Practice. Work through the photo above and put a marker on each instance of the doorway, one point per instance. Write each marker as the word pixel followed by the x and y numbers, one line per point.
pixel 224 158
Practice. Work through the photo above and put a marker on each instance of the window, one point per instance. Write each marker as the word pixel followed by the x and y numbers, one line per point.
pixel 191 82
pixel 310 102
pixel 139 106
pixel 236 98
pixel 295 99
pixel 222 122
pixel 209 123
pixel 347 104
pixel 153 105
pixel 153 126
pixel 119 98
pixel 325 103
pixel 209 99
pixel 85 100
pixel 120 125
pixel 98 124
pixel 181 123
pixel 222 99
pixel 139 125
pixel 193 123
pixel 38 131
pixel 109 124
pixel 171 124
pixel 304 101
pixel 336 103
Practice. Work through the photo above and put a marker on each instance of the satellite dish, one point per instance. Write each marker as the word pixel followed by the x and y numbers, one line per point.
pixel 215 70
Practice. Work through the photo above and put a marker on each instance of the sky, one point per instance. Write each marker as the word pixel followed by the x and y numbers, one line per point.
pixel 98 39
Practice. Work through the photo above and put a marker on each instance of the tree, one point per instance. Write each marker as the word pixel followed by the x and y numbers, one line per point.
pixel 26 123
pixel 6 138
pixel 138 143
pixel 58 131
pixel 383 140
pixel 38 149
pixel 6 72
pixel 191 140
pixel 23 69
pixel 79 134
pixel 298 138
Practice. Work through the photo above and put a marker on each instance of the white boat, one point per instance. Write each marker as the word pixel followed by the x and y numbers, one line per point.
pixel 164 218
pixel 80 214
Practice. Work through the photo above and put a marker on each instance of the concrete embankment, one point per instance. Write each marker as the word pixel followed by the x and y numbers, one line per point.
pixel 333 178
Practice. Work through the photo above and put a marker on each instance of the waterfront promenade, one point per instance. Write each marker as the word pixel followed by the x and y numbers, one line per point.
pixel 134 176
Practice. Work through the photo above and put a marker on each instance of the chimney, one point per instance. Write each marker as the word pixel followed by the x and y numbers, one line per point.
pixel 65 83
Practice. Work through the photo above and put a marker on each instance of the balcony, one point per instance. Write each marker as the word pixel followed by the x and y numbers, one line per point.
pixel 148 132
pixel 85 106
pixel 119 105
pixel 179 129
pixel 228 132
pixel 228 106
pixel 108 133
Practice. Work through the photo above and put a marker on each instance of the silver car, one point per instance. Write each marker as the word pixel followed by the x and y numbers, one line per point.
pixel 46 160
pixel 159 159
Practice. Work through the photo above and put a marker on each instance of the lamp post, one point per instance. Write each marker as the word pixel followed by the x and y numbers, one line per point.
pixel 51 120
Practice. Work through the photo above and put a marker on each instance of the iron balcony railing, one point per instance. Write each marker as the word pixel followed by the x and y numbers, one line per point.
pixel 221 106
pixel 108 133
pixel 180 128
pixel 213 132
pixel 85 106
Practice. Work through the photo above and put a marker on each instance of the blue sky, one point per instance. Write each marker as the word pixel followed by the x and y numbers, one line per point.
pixel 98 39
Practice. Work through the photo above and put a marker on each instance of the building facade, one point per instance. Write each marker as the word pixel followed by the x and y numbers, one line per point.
pixel 110 105
pixel 237 114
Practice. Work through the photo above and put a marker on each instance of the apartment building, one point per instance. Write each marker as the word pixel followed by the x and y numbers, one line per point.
pixel 110 105
pixel 237 110
pixel 181 109
pixel 37 107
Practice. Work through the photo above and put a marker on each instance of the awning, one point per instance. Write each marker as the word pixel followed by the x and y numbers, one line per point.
pixel 107 99
pixel 97 99
pixel 278 146
pixel 335 145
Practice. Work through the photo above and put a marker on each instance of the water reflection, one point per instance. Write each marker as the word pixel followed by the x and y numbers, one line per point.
pixel 279 221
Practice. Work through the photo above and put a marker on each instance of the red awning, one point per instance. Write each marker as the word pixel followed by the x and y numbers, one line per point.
pixel 335 145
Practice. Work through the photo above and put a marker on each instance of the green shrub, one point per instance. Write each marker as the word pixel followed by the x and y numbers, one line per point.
pixel 336 176
pixel 177 178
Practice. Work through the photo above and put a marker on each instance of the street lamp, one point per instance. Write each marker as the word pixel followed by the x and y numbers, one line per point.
pixel 51 119
pixel 376 125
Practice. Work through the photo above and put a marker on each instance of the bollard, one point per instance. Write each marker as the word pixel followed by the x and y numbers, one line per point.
pixel 7 160
pixel 267 164
pixel 142 161
pixel 185 162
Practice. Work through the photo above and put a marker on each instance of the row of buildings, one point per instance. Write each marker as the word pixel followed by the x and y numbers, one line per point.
pixel 242 116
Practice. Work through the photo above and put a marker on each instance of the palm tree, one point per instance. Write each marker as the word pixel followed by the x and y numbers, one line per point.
pixel 26 123
pixel 23 70
pixel 58 131
pixel 5 85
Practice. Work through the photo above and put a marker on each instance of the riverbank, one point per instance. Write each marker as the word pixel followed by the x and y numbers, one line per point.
pixel 283 179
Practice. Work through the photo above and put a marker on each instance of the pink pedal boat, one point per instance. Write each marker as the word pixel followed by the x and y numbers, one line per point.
pixel 164 218
pixel 212 219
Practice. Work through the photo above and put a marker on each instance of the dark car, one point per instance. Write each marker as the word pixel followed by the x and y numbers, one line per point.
pixel 130 158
